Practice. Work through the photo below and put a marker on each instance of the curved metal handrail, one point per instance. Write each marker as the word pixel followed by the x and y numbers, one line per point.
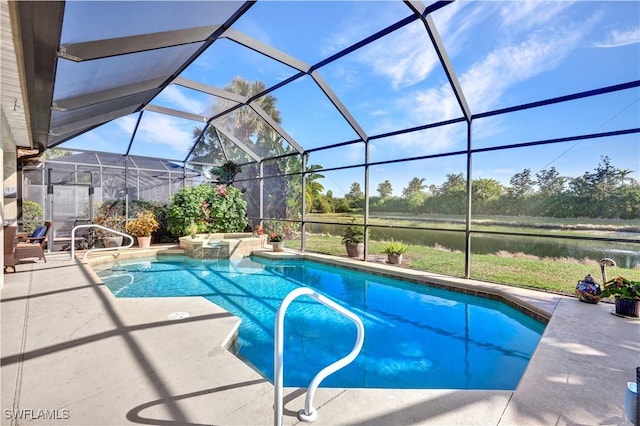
pixel 308 414
pixel 93 225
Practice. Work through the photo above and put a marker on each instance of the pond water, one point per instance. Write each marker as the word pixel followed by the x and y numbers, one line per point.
pixel 626 255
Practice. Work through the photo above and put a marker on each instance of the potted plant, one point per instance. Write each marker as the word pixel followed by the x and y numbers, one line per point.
pixel 142 227
pixel 627 295
pixel 277 241
pixel 193 230
pixel 394 251
pixel 110 216
pixel 353 240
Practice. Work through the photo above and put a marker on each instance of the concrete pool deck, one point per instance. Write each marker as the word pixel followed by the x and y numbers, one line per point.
pixel 70 347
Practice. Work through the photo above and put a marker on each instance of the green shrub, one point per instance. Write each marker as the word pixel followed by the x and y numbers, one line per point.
pixel 160 210
pixel 214 208
pixel 226 172
pixel 623 288
pixel 353 234
pixel 32 215
pixel 110 214
pixel 395 247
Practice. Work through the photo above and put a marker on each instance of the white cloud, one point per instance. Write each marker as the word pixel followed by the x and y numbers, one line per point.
pixel 524 15
pixel 359 22
pixel 437 140
pixel 164 130
pixel 337 41
pixel 159 129
pixel 456 21
pixel 127 123
pixel 620 38
pixel 176 99
pixel 405 56
pixel 487 80
pixel 345 75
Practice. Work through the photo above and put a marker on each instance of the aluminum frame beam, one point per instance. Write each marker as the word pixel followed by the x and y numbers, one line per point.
pixel 237 142
pixel 342 109
pixel 266 117
pixel 51 140
pixel 40 28
pixel 90 122
pixel 438 45
pixel 151 87
pixel 241 101
pixel 175 113
pixel 90 50
pixel 210 90
pixel 265 49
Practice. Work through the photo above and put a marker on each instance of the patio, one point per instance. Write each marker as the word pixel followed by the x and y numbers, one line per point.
pixel 70 347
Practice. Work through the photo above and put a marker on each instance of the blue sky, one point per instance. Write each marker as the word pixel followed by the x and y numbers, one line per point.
pixel 504 54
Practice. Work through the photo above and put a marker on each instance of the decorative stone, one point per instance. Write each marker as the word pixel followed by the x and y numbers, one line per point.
pixel 221 246
pixel 588 290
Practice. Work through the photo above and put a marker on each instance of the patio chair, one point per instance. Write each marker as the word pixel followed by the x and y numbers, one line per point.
pixel 10 247
pixel 34 246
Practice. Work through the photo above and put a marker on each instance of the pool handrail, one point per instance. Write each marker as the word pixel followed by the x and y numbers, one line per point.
pixel 104 228
pixel 308 414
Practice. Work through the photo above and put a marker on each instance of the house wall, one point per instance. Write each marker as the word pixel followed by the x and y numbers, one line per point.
pixel 9 174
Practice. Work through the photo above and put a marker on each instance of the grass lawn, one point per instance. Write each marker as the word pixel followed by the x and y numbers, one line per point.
pixel 555 275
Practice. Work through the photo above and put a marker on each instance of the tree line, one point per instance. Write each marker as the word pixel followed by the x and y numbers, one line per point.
pixel 606 192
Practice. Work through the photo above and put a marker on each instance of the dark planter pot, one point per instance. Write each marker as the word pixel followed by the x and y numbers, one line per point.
pixel 355 249
pixel 628 307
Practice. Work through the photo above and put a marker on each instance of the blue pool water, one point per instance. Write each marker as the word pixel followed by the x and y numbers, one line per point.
pixel 415 336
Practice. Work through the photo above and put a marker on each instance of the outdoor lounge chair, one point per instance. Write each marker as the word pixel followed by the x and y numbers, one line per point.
pixel 34 246
pixel 10 247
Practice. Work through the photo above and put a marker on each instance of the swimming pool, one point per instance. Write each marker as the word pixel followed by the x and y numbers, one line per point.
pixel 415 336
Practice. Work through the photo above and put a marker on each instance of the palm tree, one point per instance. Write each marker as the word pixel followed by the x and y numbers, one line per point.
pixel 244 123
pixel 622 174
pixel 312 191
pixel 247 124
pixel 415 185
pixel 313 188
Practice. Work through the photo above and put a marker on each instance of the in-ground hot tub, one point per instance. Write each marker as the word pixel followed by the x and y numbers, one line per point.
pixel 222 246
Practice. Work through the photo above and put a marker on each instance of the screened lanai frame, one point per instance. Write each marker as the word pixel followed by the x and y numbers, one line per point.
pixel 72 186
pixel 467 231
pixel 139 97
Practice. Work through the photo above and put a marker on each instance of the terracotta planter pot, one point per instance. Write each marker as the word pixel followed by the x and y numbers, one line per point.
pixel 144 242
